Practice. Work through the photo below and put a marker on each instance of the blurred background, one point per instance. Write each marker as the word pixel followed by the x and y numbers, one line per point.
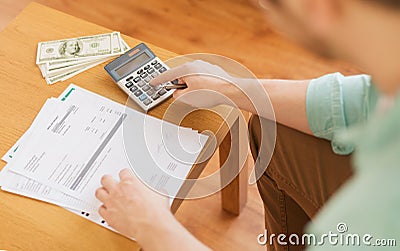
pixel 233 28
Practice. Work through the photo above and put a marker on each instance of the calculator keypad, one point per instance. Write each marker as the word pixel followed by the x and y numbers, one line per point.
pixel 139 83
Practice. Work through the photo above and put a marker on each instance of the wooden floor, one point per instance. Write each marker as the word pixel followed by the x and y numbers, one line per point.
pixel 233 28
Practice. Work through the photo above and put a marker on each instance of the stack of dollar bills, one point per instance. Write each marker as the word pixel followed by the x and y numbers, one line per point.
pixel 60 60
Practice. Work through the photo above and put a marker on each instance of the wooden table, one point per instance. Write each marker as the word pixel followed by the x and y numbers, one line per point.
pixel 28 224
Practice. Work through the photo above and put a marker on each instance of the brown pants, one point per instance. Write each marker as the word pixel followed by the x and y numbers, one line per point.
pixel 301 176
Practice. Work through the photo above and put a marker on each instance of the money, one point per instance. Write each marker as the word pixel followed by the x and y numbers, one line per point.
pixel 59 60
pixel 66 75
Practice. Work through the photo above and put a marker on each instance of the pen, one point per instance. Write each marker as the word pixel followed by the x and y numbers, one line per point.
pixel 171 86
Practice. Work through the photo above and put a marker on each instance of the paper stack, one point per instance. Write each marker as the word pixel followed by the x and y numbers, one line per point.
pixel 79 137
pixel 60 60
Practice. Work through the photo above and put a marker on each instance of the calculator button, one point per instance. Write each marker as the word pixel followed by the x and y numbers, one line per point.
pixel 134 88
pixel 147 102
pixel 138 93
pixel 144 75
pixel 151 92
pixel 155 96
pixel 142 97
pixel 137 79
pixel 175 82
pixel 141 83
pixel 150 71
pixel 147 67
pixel 157 87
pixel 147 79
pixel 140 71
pixel 146 88
pixel 158 66
pixel 162 69
pixel 129 84
pixel 154 74
pixel 162 92
pixel 154 62
pixel 129 79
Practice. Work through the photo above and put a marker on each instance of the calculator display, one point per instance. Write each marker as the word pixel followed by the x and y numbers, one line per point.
pixel 132 65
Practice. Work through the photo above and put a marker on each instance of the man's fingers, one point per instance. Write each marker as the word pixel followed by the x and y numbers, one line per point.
pixel 125 174
pixel 172 74
pixel 103 212
pixel 179 93
pixel 108 182
pixel 197 67
pixel 102 194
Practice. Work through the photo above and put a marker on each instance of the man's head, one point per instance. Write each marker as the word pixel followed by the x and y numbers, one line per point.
pixel 70 48
pixel 364 32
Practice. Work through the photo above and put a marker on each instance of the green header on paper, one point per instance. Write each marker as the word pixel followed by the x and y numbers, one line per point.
pixel 68 93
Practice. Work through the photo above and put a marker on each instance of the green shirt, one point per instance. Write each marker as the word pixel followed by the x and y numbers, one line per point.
pixel 369 203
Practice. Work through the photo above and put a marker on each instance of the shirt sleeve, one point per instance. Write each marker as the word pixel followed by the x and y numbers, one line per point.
pixel 335 102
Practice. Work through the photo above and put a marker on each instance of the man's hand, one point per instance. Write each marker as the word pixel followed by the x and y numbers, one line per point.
pixel 129 206
pixel 136 211
pixel 208 85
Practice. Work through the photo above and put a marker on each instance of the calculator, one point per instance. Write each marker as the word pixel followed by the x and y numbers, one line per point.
pixel 133 71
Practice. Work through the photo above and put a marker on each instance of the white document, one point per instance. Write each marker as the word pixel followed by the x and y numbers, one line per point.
pixel 58 128
pixel 152 154
pixel 11 182
pixel 19 184
pixel 46 109
pixel 87 141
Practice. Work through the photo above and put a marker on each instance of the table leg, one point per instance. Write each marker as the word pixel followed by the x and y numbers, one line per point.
pixel 234 195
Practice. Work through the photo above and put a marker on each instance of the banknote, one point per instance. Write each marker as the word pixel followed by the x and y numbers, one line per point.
pixel 52 70
pixel 101 45
pixel 50 66
pixel 118 42
pixel 125 46
pixel 55 79
pixel 70 68
pixel 66 75
pixel 55 65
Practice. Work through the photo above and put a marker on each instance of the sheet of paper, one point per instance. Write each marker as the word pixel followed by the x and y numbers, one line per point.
pixel 21 185
pixel 93 217
pixel 46 109
pixel 151 155
pixel 108 158
pixel 61 152
pixel 145 143
pixel 61 199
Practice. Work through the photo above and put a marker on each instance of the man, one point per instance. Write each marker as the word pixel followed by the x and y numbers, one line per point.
pixel 303 173
pixel 70 48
